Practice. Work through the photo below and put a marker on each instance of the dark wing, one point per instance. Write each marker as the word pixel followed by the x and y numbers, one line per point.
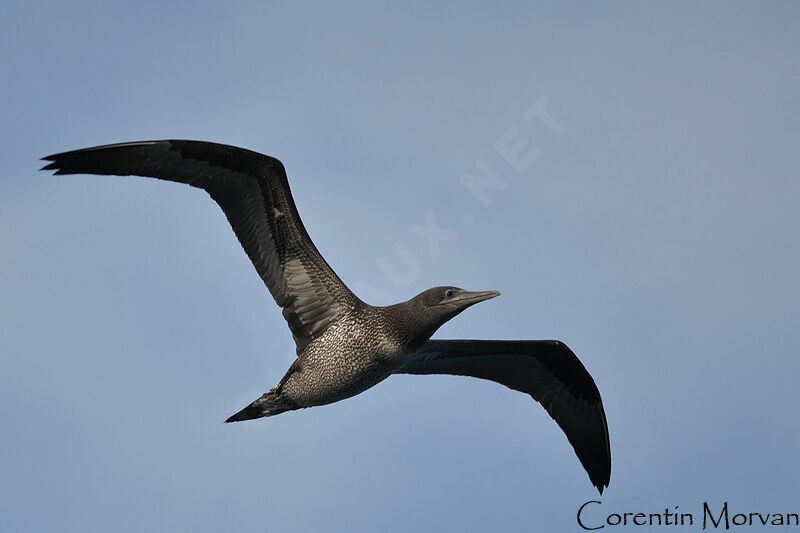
pixel 253 191
pixel 548 371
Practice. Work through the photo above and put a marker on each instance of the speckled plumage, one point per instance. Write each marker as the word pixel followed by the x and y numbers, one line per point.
pixel 351 356
pixel 364 347
pixel 345 346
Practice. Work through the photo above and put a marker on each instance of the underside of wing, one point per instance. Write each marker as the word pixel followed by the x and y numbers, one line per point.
pixel 253 192
pixel 547 370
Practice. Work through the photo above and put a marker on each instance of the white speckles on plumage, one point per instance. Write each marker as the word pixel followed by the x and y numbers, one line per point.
pixel 344 360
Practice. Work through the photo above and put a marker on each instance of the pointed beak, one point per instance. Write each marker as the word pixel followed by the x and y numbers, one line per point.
pixel 470 298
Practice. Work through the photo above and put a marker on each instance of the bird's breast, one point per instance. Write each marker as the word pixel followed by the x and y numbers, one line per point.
pixel 343 362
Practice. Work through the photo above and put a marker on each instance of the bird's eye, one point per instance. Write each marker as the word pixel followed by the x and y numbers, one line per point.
pixel 448 293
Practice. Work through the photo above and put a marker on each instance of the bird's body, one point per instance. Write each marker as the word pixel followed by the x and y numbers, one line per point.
pixel 345 346
pixel 364 347
pixel 344 361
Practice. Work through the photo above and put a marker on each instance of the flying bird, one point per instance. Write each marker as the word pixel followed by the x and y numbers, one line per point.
pixel 345 346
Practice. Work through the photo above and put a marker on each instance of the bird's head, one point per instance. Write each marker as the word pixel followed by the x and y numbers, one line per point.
pixel 436 306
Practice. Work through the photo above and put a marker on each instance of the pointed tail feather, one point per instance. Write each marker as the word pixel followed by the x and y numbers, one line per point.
pixel 269 404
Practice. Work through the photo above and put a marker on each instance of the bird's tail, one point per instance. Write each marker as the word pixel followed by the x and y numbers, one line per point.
pixel 269 404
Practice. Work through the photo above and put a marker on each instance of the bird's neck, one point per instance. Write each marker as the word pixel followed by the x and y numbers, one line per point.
pixel 409 324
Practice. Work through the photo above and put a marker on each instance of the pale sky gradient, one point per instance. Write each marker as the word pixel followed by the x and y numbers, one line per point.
pixel 657 235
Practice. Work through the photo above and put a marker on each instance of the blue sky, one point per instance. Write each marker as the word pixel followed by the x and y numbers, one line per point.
pixel 655 233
